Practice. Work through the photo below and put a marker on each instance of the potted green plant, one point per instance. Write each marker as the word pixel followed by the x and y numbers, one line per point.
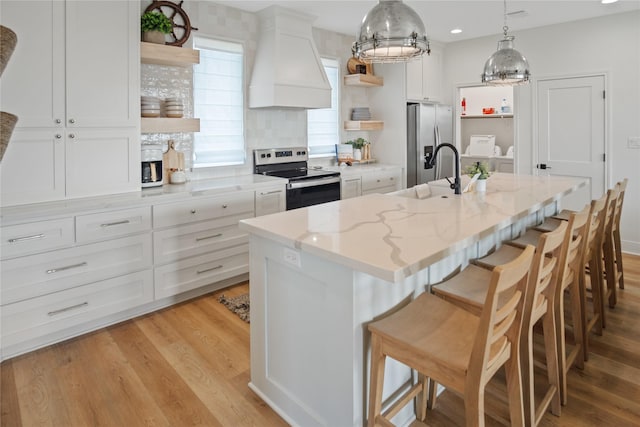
pixel 154 26
pixel 358 144
pixel 482 169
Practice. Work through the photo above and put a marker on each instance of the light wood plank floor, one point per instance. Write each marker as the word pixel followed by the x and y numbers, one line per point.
pixel 189 365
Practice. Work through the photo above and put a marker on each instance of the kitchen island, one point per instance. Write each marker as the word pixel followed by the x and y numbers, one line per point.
pixel 319 275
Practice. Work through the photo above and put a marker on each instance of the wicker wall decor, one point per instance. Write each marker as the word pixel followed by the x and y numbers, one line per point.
pixel 8 40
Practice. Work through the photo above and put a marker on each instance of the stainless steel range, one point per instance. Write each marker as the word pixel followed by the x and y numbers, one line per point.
pixel 306 186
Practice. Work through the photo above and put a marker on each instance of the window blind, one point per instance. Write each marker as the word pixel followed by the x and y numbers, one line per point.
pixel 323 131
pixel 219 103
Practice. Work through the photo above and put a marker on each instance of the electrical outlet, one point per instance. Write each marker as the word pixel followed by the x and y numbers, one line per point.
pixel 633 142
pixel 292 257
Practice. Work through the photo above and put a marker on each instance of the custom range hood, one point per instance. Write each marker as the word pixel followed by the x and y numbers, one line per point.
pixel 288 72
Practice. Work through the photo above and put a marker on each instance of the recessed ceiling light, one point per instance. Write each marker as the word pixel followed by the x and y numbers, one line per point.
pixel 456 31
pixel 608 1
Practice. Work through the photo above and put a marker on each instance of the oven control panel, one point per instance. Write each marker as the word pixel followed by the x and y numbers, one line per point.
pixel 273 156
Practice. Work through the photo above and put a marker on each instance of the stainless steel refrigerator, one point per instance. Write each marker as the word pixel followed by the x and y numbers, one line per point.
pixel 427 126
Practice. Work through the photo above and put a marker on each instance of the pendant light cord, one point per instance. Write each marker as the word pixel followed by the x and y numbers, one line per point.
pixel 505 28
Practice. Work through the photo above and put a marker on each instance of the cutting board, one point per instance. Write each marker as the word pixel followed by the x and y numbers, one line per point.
pixel 172 160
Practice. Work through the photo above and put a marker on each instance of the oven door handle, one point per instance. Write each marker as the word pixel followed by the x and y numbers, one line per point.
pixel 313 182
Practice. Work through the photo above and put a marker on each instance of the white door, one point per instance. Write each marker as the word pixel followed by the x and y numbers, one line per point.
pixel 571 133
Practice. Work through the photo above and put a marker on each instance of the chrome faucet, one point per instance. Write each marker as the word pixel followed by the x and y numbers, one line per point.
pixel 455 186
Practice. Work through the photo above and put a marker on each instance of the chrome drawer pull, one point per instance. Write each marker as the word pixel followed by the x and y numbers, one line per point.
pixel 22 239
pixel 68 267
pixel 109 224
pixel 208 237
pixel 62 310
pixel 209 269
pixel 270 192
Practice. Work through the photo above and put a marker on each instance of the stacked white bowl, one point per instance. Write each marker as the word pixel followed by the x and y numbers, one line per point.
pixel 150 106
pixel 174 107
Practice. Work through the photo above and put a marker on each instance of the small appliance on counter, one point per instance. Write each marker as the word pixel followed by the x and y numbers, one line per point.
pixel 152 171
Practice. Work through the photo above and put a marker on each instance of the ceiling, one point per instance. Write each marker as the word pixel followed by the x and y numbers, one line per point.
pixel 476 18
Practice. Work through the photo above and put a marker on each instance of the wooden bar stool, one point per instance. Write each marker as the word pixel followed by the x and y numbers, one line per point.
pixel 622 187
pixel 591 261
pixel 548 265
pixel 571 280
pixel 608 249
pixel 454 347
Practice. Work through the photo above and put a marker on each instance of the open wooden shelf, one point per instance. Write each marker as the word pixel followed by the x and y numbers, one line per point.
pixel 169 125
pixel 363 125
pixel 160 54
pixel 364 80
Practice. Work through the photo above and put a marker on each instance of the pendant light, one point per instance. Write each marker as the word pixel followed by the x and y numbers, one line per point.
pixel 507 66
pixel 390 32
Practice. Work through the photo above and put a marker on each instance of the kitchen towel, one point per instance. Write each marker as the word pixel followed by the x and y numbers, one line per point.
pixel 423 191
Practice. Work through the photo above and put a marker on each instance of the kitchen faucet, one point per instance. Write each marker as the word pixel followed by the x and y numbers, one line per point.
pixel 455 186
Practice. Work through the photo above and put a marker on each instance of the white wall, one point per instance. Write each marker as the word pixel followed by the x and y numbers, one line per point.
pixel 609 45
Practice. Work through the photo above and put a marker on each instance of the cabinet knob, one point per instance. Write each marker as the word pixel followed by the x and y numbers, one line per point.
pixel 58 136
pixel 72 135
pixel 58 121
pixel 224 206
pixel 72 120
pixel 193 211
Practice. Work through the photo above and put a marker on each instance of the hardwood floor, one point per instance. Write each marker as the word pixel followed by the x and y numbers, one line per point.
pixel 189 365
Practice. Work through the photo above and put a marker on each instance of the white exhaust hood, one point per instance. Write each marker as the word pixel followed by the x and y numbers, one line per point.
pixel 288 72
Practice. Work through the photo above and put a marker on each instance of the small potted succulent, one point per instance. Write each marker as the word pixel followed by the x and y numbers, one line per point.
pixel 482 169
pixel 154 26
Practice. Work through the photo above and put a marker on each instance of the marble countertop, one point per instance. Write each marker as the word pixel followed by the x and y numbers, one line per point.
pixel 392 237
pixel 145 197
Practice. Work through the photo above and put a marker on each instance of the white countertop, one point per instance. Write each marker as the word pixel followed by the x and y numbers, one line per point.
pixel 392 237
pixel 146 197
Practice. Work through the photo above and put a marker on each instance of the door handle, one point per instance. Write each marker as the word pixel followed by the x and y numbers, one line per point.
pixel 543 166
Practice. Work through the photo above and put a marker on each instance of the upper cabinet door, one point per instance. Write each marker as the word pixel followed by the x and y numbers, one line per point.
pixel 102 75
pixel 33 81
pixel 424 77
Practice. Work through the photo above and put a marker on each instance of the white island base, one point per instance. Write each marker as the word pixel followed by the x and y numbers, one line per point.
pixel 319 275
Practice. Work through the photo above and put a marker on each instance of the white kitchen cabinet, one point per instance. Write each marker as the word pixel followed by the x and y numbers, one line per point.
pixel 270 200
pixel 350 187
pixel 424 77
pixel 99 162
pixel 43 165
pixel 198 242
pixel 504 164
pixel 72 79
pixel 40 274
pixel 198 271
pixel 38 321
pixel 111 224
pixel 33 167
pixel 383 181
pixel 34 237
pixel 65 70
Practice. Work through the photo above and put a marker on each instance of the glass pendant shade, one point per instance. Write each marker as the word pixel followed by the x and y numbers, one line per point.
pixel 390 32
pixel 506 66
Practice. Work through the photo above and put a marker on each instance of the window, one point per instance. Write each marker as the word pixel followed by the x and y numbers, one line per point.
pixel 323 131
pixel 219 103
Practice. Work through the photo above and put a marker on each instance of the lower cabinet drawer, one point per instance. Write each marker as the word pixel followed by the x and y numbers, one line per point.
pixel 107 225
pixel 36 275
pixel 173 244
pixel 38 317
pixel 34 237
pixel 192 273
